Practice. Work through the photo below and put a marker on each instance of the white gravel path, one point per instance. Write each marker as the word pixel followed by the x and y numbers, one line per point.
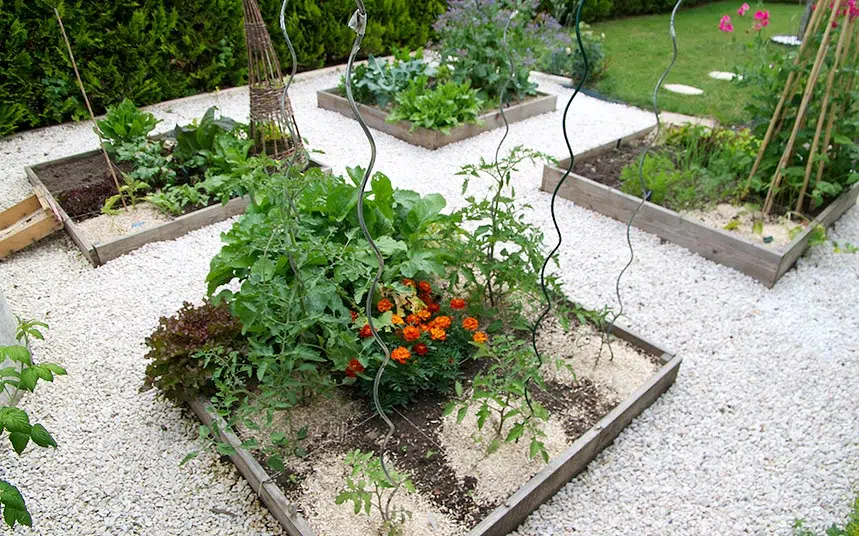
pixel 762 425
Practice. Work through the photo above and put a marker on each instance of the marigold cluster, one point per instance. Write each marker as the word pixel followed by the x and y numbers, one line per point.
pixel 470 323
pixel 401 354
pixel 354 367
pixel 384 305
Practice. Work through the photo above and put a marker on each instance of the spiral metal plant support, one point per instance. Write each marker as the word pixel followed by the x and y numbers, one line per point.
pixel 645 193
pixel 567 173
pixel 358 23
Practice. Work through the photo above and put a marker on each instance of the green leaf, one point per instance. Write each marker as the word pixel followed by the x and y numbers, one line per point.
pixel 19 441
pixel 275 462
pixel 29 377
pixel 758 227
pixel 14 420
pixel 515 433
pixel 16 353
pixel 458 387
pixel 41 437
pixel 56 369
pixel 225 449
pixel 188 457
pixel 493 446
pixel 460 415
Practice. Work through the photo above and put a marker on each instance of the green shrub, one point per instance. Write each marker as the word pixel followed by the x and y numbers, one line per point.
pixel 440 108
pixel 568 61
pixel 164 49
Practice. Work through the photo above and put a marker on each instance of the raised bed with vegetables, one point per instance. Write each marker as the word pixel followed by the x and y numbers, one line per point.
pixel 170 184
pixel 432 104
pixel 279 360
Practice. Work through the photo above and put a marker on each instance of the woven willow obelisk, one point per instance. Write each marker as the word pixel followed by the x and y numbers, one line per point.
pixel 270 127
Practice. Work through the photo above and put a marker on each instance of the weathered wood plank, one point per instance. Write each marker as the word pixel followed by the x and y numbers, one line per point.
pixel 15 213
pixel 259 480
pixel 575 459
pixel 714 244
pixel 432 139
pixel 102 253
pixel 27 231
pixel 170 230
pixel 826 218
pixel 71 229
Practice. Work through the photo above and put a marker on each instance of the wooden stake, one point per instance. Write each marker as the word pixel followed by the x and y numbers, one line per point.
pixel 771 129
pixel 89 108
pixel 803 108
pixel 847 87
pixel 830 78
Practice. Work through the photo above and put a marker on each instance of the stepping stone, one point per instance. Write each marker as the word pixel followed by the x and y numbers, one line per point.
pixel 684 89
pixel 724 75
pixel 789 40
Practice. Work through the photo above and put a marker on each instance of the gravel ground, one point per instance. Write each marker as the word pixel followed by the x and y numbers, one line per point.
pixel 760 428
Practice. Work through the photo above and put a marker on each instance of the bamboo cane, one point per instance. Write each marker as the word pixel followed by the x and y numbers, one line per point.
pixel 803 108
pixel 89 108
pixel 771 129
pixel 830 78
pixel 847 87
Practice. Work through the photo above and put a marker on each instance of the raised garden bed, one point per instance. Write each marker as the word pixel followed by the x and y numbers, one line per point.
pixel 765 263
pixel 450 500
pixel 62 180
pixel 375 117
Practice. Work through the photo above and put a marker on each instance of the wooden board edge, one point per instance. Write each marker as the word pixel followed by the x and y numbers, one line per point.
pixel 375 118
pixel 564 467
pixel 636 339
pixel 583 156
pixel 254 474
pixel 767 262
pixel 171 230
pixel 69 225
pixel 827 217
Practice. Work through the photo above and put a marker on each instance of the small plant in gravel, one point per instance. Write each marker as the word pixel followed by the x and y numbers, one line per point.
pixel 368 488
pixel 850 528
pixel 501 397
pixel 23 374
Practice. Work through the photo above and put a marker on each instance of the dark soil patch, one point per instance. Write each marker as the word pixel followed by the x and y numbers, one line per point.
pixel 591 403
pixel 80 185
pixel 605 168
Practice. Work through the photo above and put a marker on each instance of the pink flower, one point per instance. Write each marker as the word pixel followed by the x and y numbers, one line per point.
pixel 758 26
pixel 743 9
pixel 725 24
pixel 762 15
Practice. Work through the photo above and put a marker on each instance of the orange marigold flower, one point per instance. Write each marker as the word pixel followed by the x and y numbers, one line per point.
pixel 409 282
pixel 384 305
pixel 401 355
pixel 457 303
pixel 426 297
pixel 437 334
pixel 434 308
pixel 424 328
pixel 442 322
pixel 397 320
pixel 421 349
pixel 413 319
pixel 354 367
pixel 425 287
pixel 424 314
pixel 354 315
pixel 480 337
pixel 469 323
pixel 365 332
pixel 411 333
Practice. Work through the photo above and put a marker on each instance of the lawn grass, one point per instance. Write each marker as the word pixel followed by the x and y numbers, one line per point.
pixel 639 48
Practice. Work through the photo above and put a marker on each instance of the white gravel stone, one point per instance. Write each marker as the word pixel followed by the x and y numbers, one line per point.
pixel 760 428
pixel 683 89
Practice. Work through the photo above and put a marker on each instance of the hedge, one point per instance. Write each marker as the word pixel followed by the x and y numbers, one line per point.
pixel 155 50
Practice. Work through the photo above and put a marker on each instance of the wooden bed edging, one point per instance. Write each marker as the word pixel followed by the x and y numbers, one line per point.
pixel 542 486
pixel 375 117
pixel 259 480
pixel 763 263
pixel 101 253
